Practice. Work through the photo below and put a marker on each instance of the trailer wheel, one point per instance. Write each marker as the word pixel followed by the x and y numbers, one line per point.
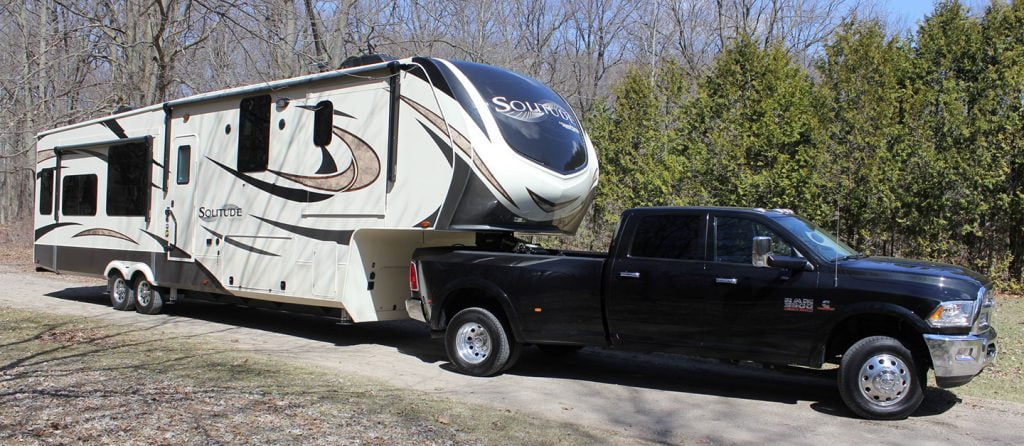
pixel 121 295
pixel 147 297
pixel 878 379
pixel 478 344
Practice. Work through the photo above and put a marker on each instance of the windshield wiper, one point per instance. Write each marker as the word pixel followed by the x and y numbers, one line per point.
pixel 850 257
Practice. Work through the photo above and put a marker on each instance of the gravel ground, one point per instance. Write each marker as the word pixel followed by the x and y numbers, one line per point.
pixel 67 382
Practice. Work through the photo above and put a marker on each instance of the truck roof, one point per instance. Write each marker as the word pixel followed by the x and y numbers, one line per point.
pixel 776 212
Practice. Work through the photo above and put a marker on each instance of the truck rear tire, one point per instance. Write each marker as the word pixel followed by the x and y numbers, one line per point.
pixel 121 295
pixel 148 299
pixel 879 380
pixel 478 343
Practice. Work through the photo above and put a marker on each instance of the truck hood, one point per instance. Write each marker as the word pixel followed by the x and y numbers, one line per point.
pixel 942 275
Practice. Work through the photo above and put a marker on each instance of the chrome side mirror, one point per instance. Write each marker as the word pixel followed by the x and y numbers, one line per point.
pixel 762 248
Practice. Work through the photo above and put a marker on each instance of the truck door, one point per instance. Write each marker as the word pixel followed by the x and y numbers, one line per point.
pixel 759 313
pixel 653 295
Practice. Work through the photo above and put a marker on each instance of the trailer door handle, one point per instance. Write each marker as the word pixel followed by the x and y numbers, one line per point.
pixel 726 280
pixel 629 274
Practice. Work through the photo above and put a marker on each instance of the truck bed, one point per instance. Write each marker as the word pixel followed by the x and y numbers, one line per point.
pixel 551 297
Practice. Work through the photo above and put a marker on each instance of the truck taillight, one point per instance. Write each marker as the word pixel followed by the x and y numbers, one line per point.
pixel 414 283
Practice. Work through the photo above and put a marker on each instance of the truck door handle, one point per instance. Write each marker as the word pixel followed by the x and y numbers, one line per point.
pixel 726 280
pixel 629 274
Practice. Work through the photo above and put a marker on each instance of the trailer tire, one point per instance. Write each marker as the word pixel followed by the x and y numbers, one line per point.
pixel 478 344
pixel 148 299
pixel 879 380
pixel 122 297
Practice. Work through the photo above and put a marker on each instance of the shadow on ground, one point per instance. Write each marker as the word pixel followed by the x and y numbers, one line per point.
pixel 671 373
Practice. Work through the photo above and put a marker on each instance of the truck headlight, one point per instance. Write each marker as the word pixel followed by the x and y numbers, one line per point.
pixel 952 314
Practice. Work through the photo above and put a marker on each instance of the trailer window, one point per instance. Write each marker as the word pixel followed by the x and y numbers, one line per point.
pixel 78 195
pixel 184 164
pixel 46 191
pixel 128 180
pixel 323 123
pixel 254 134
pixel 669 237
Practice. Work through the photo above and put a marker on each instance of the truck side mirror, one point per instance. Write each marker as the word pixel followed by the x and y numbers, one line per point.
pixel 762 248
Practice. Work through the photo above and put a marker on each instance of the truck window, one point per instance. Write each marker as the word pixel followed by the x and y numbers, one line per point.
pixel 128 180
pixel 734 240
pixel 254 134
pixel 78 195
pixel 46 191
pixel 669 237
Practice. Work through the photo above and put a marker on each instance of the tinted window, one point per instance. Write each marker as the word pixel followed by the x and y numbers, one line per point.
pixel 128 180
pixel 734 240
pixel 78 195
pixel 184 164
pixel 323 124
pixel 46 191
pixel 669 237
pixel 254 134
pixel 533 119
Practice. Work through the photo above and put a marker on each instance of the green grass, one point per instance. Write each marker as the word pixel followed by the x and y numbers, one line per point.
pixel 1005 379
pixel 70 381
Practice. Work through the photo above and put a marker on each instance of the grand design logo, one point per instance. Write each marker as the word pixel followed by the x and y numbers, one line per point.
pixel 529 111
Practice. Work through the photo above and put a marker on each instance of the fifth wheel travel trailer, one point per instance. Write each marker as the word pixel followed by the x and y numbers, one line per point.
pixel 310 192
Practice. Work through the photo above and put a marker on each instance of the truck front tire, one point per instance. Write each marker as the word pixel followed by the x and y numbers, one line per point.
pixel 478 343
pixel 879 380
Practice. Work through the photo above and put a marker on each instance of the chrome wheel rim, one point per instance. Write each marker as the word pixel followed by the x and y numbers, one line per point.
pixel 884 380
pixel 120 290
pixel 472 343
pixel 143 293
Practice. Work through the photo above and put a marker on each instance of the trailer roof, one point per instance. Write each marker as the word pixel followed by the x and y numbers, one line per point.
pixel 236 91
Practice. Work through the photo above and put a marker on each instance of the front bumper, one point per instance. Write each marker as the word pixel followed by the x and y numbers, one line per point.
pixel 958 359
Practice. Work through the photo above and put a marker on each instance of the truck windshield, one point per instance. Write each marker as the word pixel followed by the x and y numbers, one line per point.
pixel 821 241
pixel 533 119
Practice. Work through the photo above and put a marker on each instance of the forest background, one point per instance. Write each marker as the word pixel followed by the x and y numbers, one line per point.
pixel 906 141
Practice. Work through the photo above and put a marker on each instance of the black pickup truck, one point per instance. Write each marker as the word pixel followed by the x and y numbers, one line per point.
pixel 754 285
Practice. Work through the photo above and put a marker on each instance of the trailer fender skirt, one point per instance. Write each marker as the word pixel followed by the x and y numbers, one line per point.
pixel 129 269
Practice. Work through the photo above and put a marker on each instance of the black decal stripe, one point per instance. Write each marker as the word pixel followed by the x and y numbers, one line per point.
pixel 168 248
pixel 288 193
pixel 239 244
pixel 460 178
pixel 158 164
pixel 336 111
pixel 547 205
pixel 115 127
pixel 104 232
pixel 439 141
pixel 43 230
pixel 90 261
pixel 328 235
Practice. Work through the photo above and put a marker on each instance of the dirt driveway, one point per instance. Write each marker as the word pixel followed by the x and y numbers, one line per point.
pixel 658 398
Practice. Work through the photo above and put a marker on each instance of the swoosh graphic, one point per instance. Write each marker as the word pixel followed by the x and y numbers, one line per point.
pixel 362 172
pixel 288 193
pixel 463 144
pixel 547 205
pixel 172 250
pixel 328 235
pixel 104 232
pixel 43 230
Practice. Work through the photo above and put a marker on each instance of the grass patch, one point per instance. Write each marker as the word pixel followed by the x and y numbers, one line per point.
pixel 1005 379
pixel 65 380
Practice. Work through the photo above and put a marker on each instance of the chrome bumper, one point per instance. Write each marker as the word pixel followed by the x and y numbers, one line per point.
pixel 957 359
pixel 414 306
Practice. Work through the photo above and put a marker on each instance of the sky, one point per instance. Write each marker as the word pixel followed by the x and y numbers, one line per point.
pixel 909 14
